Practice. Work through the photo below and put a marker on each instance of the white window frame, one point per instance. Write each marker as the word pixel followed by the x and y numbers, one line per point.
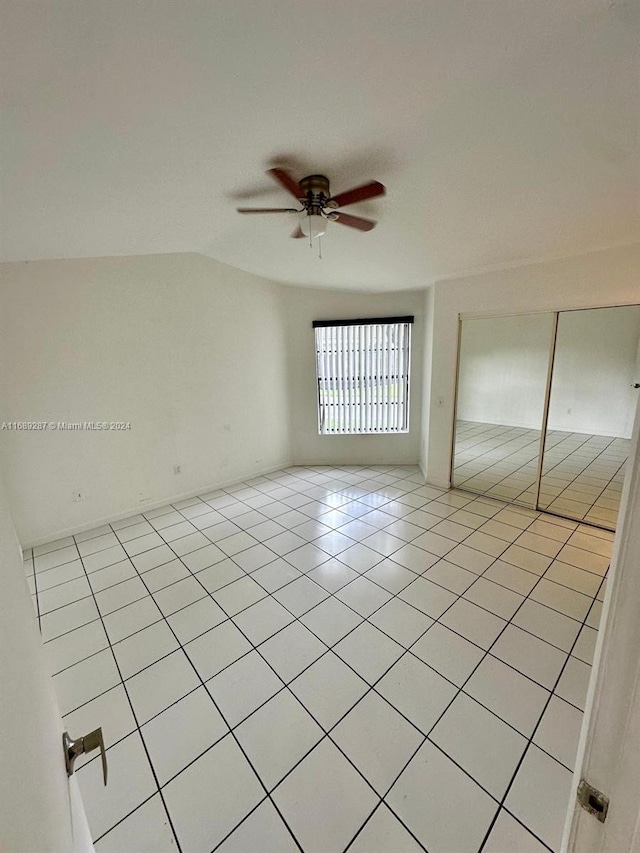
pixel 363 370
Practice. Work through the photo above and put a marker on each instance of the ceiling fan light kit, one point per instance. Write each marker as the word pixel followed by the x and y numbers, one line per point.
pixel 313 225
pixel 318 205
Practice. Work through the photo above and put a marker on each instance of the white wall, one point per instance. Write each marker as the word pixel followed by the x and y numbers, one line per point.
pixel 504 361
pixel 303 305
pixel 609 277
pixel 215 370
pixel 594 369
pixel 503 369
pixel 190 351
pixel 35 807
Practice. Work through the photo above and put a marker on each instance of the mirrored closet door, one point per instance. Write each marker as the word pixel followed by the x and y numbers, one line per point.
pixel 591 412
pixel 502 381
pixel 572 376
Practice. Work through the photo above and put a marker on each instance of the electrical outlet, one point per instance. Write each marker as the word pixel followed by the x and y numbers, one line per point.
pixel 177 469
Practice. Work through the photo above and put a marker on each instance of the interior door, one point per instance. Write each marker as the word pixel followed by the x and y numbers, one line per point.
pixel 609 751
pixel 40 807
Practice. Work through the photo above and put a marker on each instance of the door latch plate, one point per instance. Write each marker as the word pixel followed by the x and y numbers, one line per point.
pixel 593 801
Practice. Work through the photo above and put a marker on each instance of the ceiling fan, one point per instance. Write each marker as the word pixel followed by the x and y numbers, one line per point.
pixel 318 205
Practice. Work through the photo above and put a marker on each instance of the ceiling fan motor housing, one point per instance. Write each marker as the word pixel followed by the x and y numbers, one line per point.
pixel 316 193
pixel 315 184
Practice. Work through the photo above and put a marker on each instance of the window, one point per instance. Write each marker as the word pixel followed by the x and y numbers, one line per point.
pixel 363 375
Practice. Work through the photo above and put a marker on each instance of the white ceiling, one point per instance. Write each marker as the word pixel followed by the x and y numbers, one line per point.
pixel 504 130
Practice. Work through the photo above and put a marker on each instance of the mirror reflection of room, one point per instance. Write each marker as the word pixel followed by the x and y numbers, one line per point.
pixel 503 375
pixel 591 413
pixel 501 393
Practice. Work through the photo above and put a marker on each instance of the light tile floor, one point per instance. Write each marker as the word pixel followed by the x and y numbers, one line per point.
pixel 582 474
pixel 325 660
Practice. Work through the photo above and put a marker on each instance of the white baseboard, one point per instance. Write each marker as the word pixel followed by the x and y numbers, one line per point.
pixel 137 510
pixel 370 464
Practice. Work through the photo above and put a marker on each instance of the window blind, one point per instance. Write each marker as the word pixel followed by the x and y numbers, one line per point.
pixel 363 375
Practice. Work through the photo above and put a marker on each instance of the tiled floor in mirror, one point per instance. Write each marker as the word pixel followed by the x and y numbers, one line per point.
pixel 582 474
pixel 326 659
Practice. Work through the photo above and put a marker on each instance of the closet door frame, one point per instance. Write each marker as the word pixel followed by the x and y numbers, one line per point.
pixel 546 408
pixel 555 314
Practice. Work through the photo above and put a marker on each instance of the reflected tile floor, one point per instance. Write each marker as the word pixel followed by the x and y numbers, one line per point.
pixel 582 475
pixel 325 659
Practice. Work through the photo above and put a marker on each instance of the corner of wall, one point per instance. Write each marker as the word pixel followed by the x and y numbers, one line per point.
pixel 429 303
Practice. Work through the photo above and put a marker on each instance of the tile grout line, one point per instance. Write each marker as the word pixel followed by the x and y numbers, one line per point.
pixel 326 732
pixel 311 541
pixel 286 686
pixel 533 444
pixel 296 618
pixel 551 693
pixel 560 462
pixel 393 596
pixel 138 728
pixel 231 731
pixel 487 653
pixel 533 734
pixel 396 595
pixel 371 508
pixel 330 557
pixel 459 689
pixel 329 648
pixel 310 518
pixel 594 503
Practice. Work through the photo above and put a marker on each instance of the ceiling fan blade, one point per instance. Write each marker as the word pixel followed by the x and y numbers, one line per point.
pixel 355 221
pixel 285 180
pixel 370 190
pixel 267 210
pixel 298 233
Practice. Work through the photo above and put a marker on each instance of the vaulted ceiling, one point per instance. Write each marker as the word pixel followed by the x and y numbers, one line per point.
pixel 504 130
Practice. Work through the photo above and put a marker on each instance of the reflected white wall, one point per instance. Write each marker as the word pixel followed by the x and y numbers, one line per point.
pixel 503 370
pixel 595 367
